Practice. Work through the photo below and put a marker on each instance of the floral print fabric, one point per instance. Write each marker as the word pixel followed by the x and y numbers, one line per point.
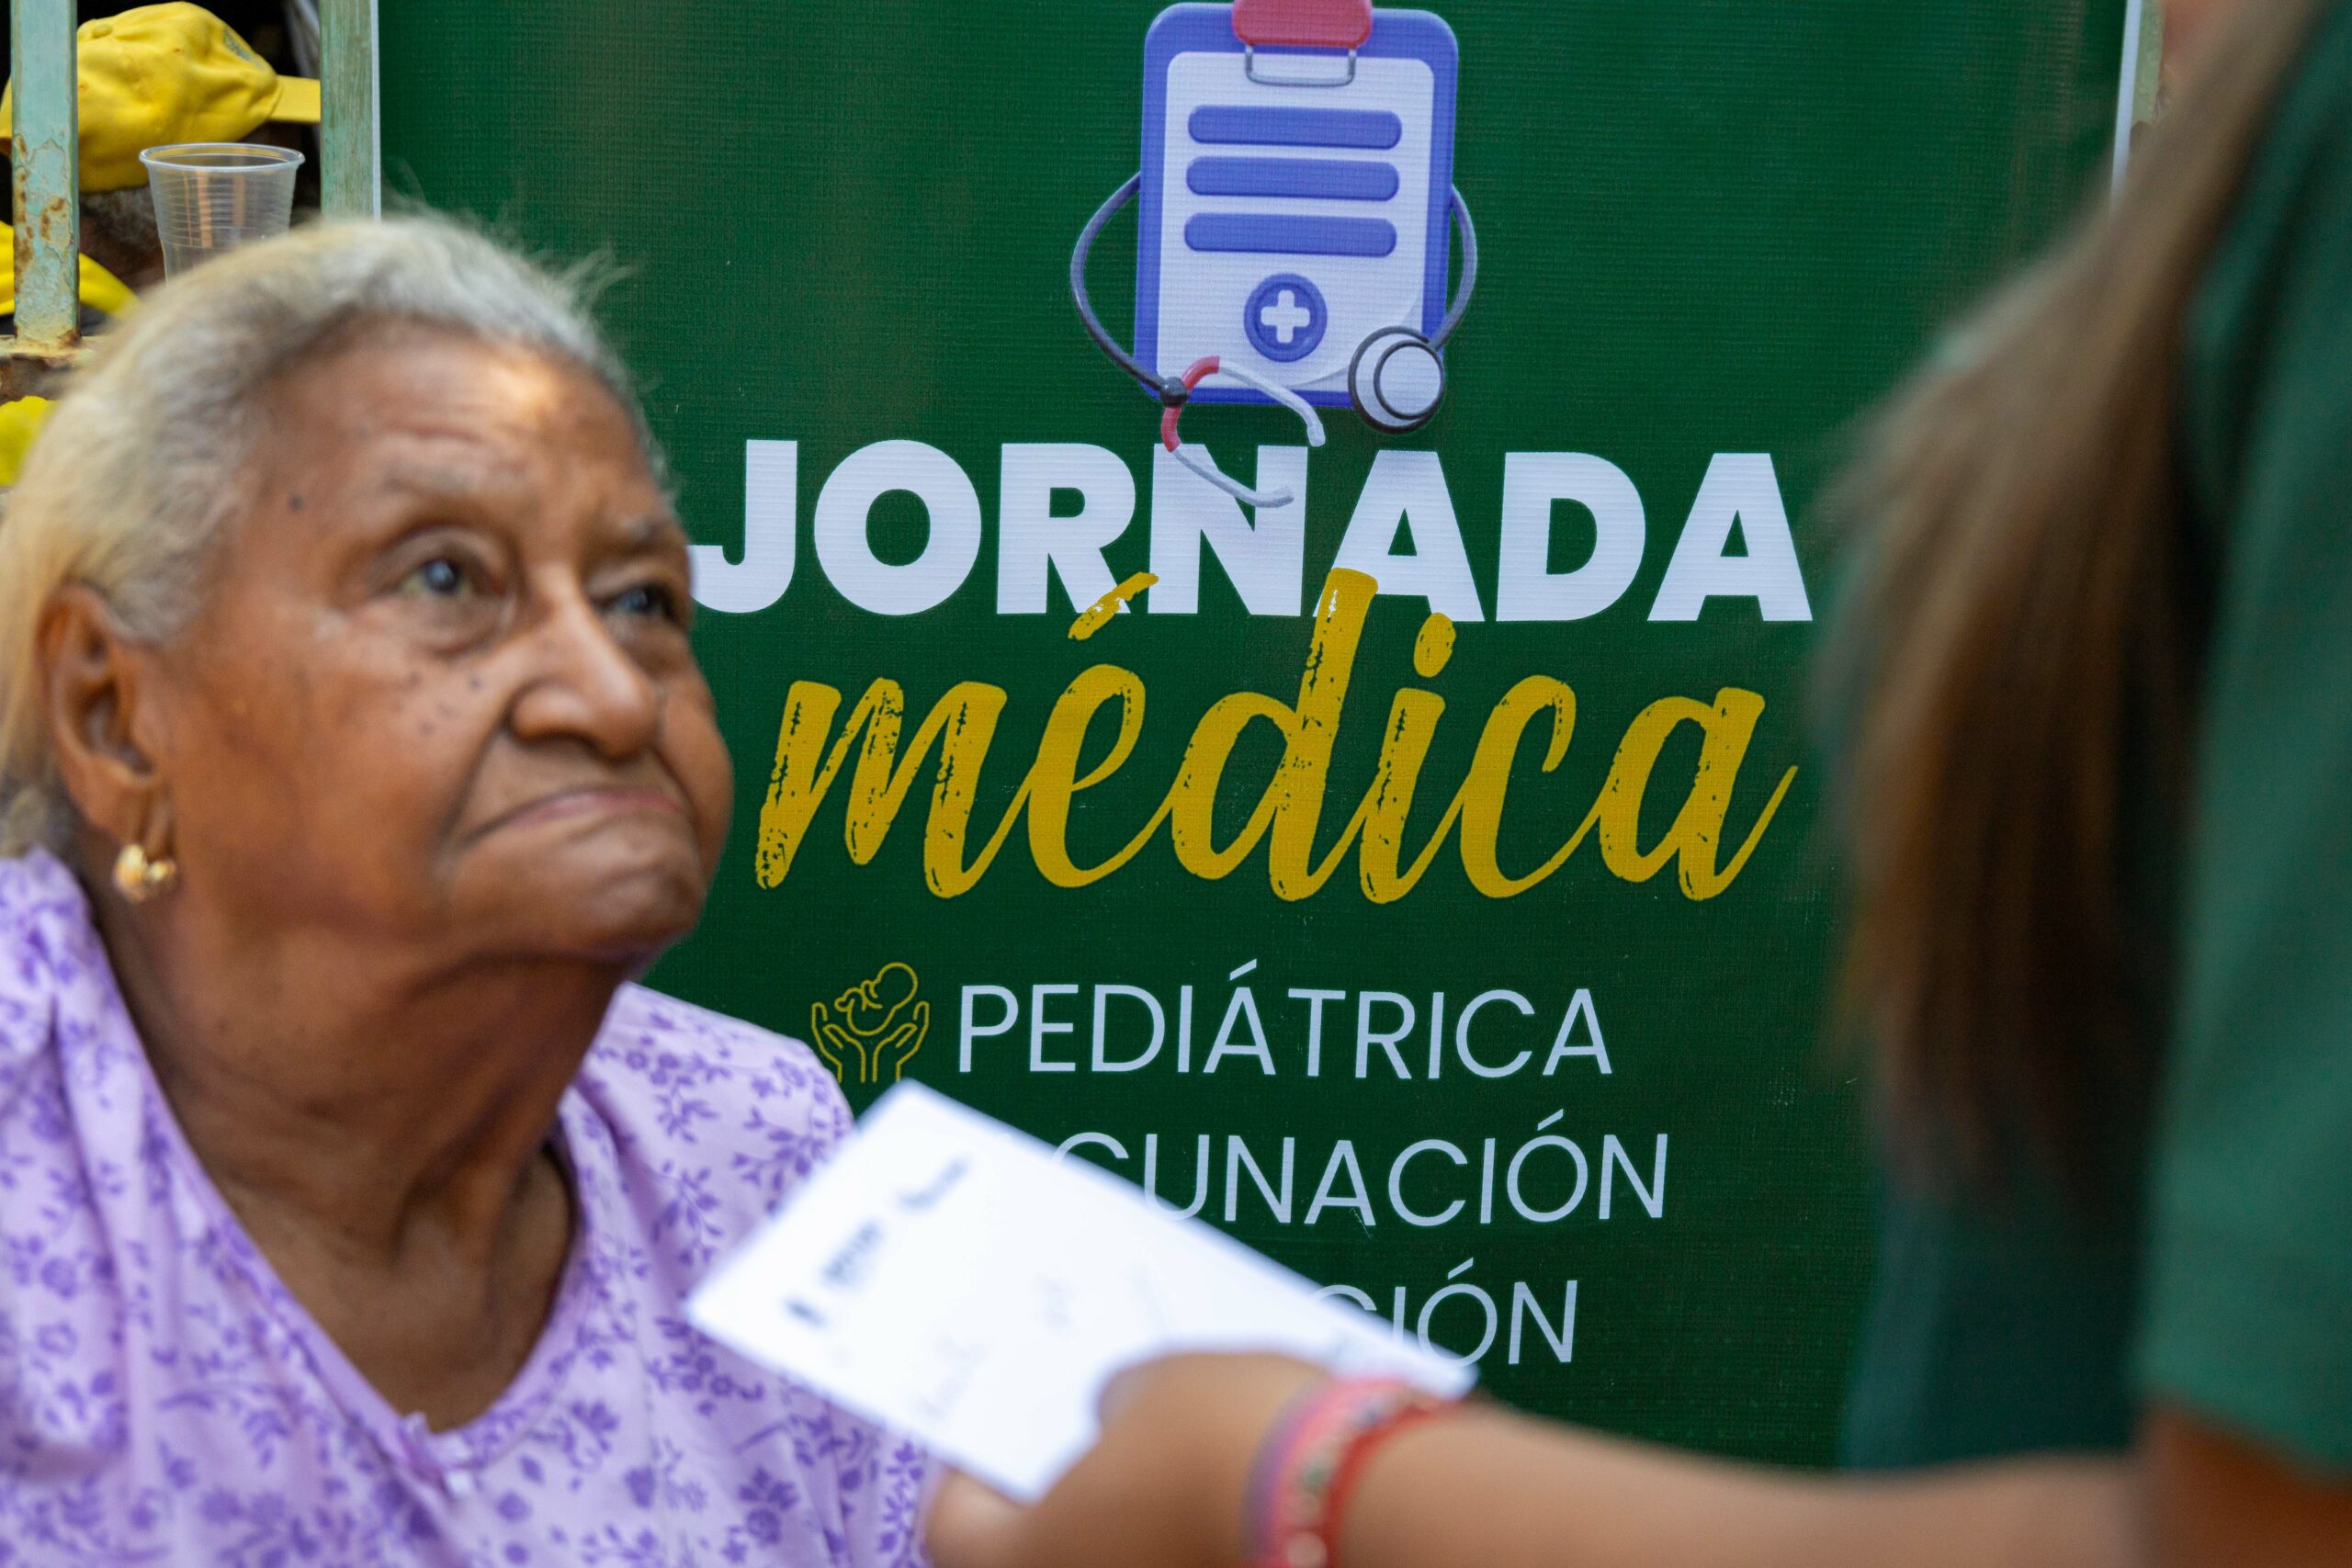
pixel 164 1400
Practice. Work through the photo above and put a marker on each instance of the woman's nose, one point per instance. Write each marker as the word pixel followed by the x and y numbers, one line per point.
pixel 588 686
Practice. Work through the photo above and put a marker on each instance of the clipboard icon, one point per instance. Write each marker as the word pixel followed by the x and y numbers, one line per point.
pixel 1296 190
pixel 1297 206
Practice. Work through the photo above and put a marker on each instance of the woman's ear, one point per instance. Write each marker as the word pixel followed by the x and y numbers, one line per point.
pixel 93 680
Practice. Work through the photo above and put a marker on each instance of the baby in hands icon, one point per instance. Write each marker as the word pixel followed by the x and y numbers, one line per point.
pixel 878 1025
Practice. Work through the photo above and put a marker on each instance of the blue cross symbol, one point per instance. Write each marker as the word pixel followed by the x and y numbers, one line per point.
pixel 1285 318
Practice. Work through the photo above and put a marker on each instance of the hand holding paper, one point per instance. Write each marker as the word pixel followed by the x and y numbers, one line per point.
pixel 950 1278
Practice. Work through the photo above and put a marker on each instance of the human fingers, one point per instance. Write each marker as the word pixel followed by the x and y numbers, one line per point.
pixel 1180 1437
pixel 1163 1487
pixel 972 1525
pixel 1236 1395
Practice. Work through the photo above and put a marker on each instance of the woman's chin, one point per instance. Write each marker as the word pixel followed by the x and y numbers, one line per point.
pixel 621 897
pixel 635 920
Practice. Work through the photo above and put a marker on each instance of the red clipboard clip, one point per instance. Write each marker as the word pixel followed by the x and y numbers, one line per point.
pixel 1301 24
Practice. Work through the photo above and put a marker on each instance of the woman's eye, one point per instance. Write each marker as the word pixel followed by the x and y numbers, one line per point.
pixel 647 599
pixel 440 578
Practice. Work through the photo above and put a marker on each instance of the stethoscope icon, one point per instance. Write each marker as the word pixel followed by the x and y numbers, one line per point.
pixel 1396 380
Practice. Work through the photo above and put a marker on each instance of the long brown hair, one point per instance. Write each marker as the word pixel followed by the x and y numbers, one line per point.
pixel 2026 632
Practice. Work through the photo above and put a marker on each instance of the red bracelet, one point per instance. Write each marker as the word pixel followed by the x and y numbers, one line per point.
pixel 1311 1462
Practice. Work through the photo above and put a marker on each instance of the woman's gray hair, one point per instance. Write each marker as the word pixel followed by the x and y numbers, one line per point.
pixel 142 465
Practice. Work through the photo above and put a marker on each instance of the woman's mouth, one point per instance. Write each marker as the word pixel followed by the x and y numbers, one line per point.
pixel 593 801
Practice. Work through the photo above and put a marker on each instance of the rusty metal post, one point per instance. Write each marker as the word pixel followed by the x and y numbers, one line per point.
pixel 351 139
pixel 2148 76
pixel 45 156
pixel 2135 98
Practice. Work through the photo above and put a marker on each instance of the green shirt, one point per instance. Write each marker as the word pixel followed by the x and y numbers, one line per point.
pixel 2220 1279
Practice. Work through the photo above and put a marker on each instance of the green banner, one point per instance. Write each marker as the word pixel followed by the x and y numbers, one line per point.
pixel 1423 877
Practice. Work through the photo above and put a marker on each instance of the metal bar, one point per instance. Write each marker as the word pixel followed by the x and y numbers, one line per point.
pixel 2145 106
pixel 45 158
pixel 2135 93
pixel 351 139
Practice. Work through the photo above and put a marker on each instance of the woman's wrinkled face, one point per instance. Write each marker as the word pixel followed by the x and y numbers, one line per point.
pixel 441 689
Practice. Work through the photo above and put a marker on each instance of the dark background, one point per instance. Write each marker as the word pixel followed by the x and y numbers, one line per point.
pixel 1709 227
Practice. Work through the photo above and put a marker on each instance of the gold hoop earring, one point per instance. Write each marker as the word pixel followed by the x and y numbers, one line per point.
pixel 139 878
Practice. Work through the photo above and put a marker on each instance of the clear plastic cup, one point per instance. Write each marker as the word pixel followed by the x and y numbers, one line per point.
pixel 212 196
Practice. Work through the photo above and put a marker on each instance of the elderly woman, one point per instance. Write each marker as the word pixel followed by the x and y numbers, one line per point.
pixel 354 758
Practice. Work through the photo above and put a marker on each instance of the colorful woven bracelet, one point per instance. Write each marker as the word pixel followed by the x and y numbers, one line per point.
pixel 1311 1462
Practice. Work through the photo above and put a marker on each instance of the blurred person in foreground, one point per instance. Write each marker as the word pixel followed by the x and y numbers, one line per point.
pixel 353 759
pixel 2098 715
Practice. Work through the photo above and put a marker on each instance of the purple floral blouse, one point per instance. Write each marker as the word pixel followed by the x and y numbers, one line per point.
pixel 164 1399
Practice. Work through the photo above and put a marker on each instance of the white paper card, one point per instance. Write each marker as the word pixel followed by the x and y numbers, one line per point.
pixel 948 1277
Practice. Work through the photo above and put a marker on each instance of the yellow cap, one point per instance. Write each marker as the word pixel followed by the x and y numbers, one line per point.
pixel 99 288
pixel 159 75
pixel 19 422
